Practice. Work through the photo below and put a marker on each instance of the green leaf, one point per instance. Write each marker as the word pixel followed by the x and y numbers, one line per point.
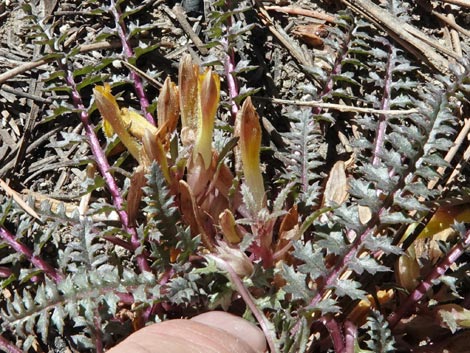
pixel 381 338
pixel 332 242
pixel 139 51
pixel 326 306
pixel 368 264
pixel 313 259
pixel 350 288
pixel 295 283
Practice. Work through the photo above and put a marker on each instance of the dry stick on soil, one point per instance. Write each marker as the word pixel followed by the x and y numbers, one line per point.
pixel 281 36
pixel 37 63
pixel 339 107
pixel 18 93
pixel 36 88
pixel 12 193
pixel 458 167
pixel 455 39
pixel 449 21
pixel 31 147
pixel 302 12
pixel 406 35
pixel 451 154
pixel 179 14
pixel 464 3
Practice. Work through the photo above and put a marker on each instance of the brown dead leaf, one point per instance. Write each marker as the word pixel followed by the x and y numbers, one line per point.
pixel 312 34
pixel 365 214
pixel 135 193
pixel 194 216
pixel 336 189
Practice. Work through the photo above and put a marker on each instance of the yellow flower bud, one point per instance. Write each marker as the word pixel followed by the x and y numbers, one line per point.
pixel 250 145
pixel 110 112
pixel 187 84
pixel 168 110
pixel 229 227
pixel 208 96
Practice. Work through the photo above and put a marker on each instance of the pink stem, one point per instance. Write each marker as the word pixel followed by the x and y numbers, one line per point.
pixel 104 169
pixel 350 335
pixel 231 81
pixel 8 346
pixel 425 285
pixel 27 252
pixel 263 322
pixel 128 53
pixel 5 272
pixel 335 333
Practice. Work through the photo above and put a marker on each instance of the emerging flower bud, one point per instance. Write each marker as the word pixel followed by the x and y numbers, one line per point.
pixel 187 83
pixel 208 94
pixel 110 112
pixel 229 227
pixel 134 196
pixel 168 110
pixel 237 259
pixel 250 145
pixel 154 151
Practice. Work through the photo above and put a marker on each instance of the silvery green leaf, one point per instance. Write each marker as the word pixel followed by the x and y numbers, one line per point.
pixel 368 264
pixel 350 288
pixel 312 258
pixel 295 283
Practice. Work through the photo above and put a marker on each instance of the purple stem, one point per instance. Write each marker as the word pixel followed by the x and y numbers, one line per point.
pixel 231 81
pixel 337 67
pixel 5 272
pixel 34 259
pixel 104 169
pixel 245 294
pixel 125 298
pixel 8 346
pixel 128 53
pixel 97 331
pixel 425 285
pixel 343 263
pixel 350 335
pixel 384 105
pixel 229 67
pixel 335 333
pixel 120 242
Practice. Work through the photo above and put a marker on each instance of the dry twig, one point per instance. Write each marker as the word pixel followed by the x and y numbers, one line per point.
pixel 302 12
pixel 339 107
pixel 412 39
